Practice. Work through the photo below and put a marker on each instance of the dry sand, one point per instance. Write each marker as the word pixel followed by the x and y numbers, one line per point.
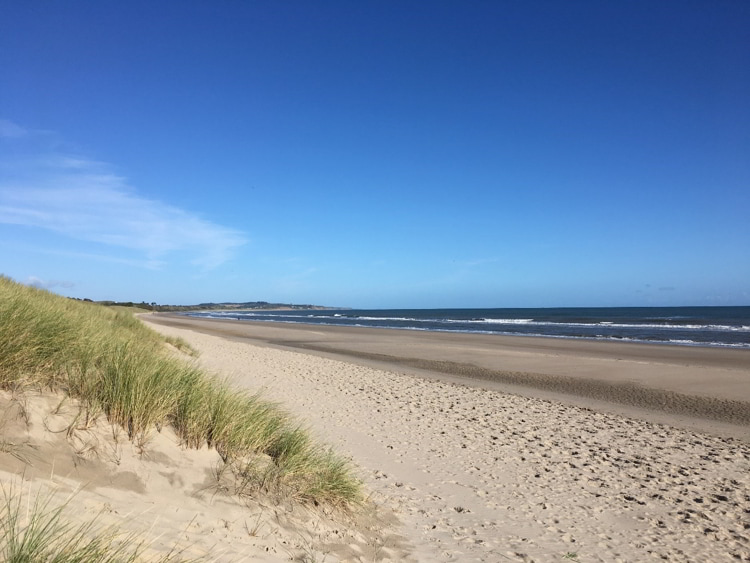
pixel 475 450
pixel 701 388
pixel 476 473
pixel 168 497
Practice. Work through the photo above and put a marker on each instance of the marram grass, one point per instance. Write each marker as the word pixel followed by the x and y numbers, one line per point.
pixel 40 532
pixel 115 364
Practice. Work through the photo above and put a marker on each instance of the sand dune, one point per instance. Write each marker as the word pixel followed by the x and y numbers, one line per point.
pixel 461 468
pixel 170 498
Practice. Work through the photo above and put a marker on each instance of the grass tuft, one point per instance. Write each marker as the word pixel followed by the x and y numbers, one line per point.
pixel 40 532
pixel 113 363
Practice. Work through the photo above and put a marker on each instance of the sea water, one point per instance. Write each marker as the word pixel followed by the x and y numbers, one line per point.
pixel 687 326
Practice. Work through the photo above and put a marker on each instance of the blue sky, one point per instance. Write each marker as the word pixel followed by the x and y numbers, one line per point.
pixel 378 154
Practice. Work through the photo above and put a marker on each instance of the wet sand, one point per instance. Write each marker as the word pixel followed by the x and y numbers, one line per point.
pixel 472 447
pixel 476 473
pixel 698 388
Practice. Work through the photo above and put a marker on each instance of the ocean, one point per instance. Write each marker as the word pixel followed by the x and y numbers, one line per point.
pixel 684 326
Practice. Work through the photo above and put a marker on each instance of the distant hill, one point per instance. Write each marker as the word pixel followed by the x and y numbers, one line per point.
pixel 210 306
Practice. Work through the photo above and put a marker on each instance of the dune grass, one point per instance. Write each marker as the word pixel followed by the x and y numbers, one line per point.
pixel 40 532
pixel 113 363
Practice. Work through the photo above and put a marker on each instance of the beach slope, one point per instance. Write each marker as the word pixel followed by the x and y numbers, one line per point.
pixel 479 472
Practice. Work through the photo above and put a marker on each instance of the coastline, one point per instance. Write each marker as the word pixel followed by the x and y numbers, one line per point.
pixel 699 388
pixel 716 327
pixel 474 474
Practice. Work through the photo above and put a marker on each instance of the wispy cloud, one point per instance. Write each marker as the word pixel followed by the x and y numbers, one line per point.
pixel 83 199
pixel 10 130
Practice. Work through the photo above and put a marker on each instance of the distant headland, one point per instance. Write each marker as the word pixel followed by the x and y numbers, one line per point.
pixel 247 305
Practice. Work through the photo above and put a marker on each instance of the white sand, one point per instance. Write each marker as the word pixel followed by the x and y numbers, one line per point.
pixel 479 475
pixel 166 496
pixel 472 474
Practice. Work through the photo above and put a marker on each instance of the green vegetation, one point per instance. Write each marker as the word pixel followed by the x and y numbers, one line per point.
pixel 113 364
pixel 145 307
pixel 41 533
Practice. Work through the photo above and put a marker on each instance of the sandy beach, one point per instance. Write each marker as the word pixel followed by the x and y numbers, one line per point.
pixel 698 387
pixel 494 449
pixel 470 447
